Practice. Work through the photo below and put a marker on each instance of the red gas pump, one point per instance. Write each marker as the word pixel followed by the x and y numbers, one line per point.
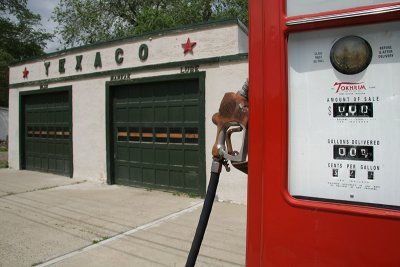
pixel 324 189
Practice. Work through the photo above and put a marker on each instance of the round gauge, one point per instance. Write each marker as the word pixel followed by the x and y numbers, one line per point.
pixel 351 55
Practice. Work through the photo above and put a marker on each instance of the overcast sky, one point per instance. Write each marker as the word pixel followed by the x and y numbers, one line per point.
pixel 44 8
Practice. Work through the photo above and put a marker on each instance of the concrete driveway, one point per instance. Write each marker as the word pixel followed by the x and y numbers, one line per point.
pixel 49 220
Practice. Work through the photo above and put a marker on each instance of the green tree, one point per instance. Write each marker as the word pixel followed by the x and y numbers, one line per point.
pixel 83 22
pixel 171 13
pixel 20 37
pixel 232 9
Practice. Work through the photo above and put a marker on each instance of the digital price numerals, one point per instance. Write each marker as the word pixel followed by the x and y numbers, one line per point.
pixel 359 153
pixel 353 110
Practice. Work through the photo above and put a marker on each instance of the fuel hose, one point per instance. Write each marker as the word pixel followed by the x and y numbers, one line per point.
pixel 205 214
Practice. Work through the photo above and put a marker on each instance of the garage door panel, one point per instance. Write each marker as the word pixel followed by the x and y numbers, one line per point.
pixel 122 153
pixel 67 149
pixel 175 114
pixel 57 100
pixel 146 92
pixel 134 114
pixel 135 174
pixel 162 156
pixel 37 163
pixel 191 158
pixel 59 149
pixel 147 155
pixel 52 164
pixel 29 162
pixel 155 129
pixel 37 147
pixel 45 163
pixel 122 172
pixel 162 177
pixel 44 147
pixel 191 179
pixel 161 94
pixel 46 133
pixel 121 115
pixel 161 114
pixel 147 114
pixel 190 92
pixel 149 176
pixel 60 165
pixel 177 179
pixel 67 164
pixel 135 154
pixel 51 117
pixel 43 116
pixel 29 146
pixel 175 92
pixel 31 117
pixel 62 116
pixel 52 148
pixel 176 157
pixel 191 113
pixel 121 95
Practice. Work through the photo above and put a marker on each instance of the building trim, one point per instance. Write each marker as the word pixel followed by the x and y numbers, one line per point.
pixel 144 36
pixel 204 61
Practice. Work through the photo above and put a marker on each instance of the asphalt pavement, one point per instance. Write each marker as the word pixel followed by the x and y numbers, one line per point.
pixel 50 220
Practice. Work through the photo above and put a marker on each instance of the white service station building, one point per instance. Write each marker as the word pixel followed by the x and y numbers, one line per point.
pixel 134 111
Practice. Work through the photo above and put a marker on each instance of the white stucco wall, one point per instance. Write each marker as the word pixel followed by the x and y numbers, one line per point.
pixel 89 95
pixel 3 124
pixel 243 40
pixel 88 119
pixel 13 129
pixel 227 77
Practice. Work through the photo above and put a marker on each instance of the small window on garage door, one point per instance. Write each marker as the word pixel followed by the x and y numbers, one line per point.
pixel 157 134
pixel 46 131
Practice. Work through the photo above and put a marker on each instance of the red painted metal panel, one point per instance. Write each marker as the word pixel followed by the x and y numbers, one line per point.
pixel 283 231
pixel 256 101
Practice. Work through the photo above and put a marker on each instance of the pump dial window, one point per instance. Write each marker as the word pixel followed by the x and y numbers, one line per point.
pixel 351 55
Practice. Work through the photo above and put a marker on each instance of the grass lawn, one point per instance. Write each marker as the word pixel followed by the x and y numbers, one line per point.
pixel 3 148
pixel 3 164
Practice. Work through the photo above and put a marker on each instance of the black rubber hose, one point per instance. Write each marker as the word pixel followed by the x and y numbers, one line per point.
pixel 203 221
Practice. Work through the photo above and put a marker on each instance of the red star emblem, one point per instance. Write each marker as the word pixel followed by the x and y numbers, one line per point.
pixel 25 73
pixel 188 46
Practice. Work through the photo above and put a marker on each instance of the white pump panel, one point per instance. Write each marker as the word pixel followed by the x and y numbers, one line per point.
pixel 344 129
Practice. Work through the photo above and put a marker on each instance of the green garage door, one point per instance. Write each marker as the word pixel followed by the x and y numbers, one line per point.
pixel 47 132
pixel 158 135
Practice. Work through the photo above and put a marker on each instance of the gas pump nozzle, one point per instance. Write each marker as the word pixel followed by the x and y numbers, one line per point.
pixel 232 117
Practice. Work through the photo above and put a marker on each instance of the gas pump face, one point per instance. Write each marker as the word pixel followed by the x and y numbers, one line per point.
pixel 344 114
